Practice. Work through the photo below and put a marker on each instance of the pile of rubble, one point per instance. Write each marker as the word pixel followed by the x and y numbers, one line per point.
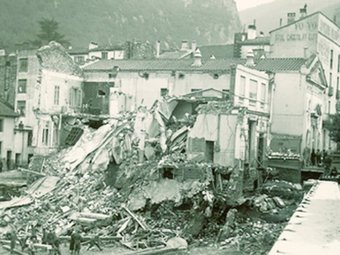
pixel 130 182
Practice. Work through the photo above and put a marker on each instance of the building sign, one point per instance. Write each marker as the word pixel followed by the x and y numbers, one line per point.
pixel 332 32
pixel 301 31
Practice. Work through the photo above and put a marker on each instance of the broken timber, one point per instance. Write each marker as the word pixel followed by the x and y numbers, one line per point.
pixel 143 225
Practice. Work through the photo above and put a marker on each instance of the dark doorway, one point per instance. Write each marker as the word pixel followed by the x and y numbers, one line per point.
pixel 17 159
pixel 29 159
pixel 8 160
pixel 260 150
pixel 251 142
pixel 209 151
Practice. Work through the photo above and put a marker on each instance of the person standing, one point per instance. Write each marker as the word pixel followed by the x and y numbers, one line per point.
pixel 313 157
pixel 318 157
pixel 13 239
pixel 75 242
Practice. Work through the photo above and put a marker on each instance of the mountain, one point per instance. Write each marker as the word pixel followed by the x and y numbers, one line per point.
pixel 115 21
pixel 268 15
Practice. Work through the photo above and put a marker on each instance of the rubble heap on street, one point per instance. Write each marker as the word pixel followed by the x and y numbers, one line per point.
pixel 131 182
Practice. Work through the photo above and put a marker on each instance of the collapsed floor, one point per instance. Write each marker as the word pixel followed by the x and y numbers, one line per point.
pixel 102 184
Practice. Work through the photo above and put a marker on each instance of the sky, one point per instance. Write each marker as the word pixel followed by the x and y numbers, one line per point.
pixel 244 4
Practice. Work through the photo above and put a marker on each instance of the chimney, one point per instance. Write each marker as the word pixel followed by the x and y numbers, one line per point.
pixel 93 45
pixel 303 11
pixel 197 58
pixel 185 45
pixel 250 59
pixel 158 48
pixel 251 32
pixel 291 17
pixel 193 45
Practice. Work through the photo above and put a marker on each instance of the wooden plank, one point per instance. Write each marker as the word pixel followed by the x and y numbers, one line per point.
pixel 31 172
pixel 97 216
pixel 154 251
pixel 143 225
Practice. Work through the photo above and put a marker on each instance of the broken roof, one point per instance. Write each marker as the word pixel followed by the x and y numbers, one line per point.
pixel 280 64
pixel 163 65
pixel 6 110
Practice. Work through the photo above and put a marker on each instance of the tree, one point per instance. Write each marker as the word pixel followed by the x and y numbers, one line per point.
pixel 49 32
pixel 333 125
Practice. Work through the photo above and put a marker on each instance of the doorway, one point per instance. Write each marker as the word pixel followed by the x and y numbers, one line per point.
pixel 260 150
pixel 209 151
pixel 8 160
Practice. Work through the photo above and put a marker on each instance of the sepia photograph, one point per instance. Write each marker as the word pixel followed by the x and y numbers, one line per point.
pixel 169 127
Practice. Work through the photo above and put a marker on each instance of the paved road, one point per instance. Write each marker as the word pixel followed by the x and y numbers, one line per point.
pixel 315 227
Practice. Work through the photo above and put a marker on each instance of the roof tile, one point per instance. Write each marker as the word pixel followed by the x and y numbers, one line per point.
pixel 6 110
pixel 163 65
pixel 280 64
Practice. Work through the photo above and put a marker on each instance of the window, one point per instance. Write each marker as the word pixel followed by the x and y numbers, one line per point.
pixel 75 97
pixel 23 65
pixel 263 92
pixel 253 90
pixel 195 90
pixel 79 98
pixel 104 55
pixel 21 107
pixel 331 60
pixel 339 63
pixel 330 79
pixel 1 126
pixel 29 138
pixel 329 107
pixel 56 94
pixel 79 59
pixel 22 85
pixel 164 92
pixel 45 136
pixel 101 93
pixel 337 93
pixel 242 90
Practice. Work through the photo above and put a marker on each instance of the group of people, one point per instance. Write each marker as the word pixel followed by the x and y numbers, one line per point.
pixel 27 241
pixel 50 238
pixel 315 157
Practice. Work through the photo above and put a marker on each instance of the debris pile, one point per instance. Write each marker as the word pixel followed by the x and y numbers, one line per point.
pixel 130 182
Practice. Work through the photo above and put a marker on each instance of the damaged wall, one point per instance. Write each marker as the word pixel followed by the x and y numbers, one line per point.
pixel 218 132
pixel 53 87
pixel 145 87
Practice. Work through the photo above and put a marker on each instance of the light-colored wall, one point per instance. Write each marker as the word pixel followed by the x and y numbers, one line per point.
pixel 319 36
pixel 261 78
pixel 246 48
pixel 149 90
pixel 7 137
pixel 291 41
pixel 227 134
pixel 329 39
pixel 288 104
pixel 66 83
pixel 113 54
pixel 30 96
